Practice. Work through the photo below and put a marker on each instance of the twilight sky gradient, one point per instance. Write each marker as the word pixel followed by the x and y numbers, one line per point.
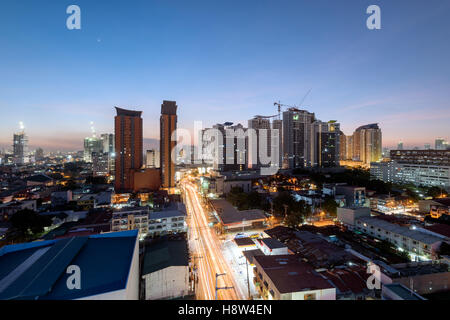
pixel 223 60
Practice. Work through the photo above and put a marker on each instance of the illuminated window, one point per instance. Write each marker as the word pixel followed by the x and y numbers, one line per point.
pixel 311 296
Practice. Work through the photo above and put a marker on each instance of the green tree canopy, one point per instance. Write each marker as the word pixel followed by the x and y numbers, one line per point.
pixel 28 223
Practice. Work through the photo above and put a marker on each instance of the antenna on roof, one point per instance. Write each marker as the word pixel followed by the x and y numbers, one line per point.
pixel 93 129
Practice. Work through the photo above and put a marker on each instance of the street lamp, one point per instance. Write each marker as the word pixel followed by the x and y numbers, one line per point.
pixel 221 288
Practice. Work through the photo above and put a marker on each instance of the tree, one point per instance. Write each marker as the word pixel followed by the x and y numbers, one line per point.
pixel 281 200
pixel 436 192
pixel 28 223
pixel 296 213
pixel 293 219
pixel 330 206
pixel 95 180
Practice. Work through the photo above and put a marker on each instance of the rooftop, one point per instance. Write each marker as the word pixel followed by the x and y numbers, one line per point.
pixel 403 292
pixel 418 268
pixel 348 280
pixel 250 254
pixel 443 201
pixel 442 229
pixel 128 113
pixel 164 253
pixel 39 178
pixel 413 234
pixel 241 242
pixel 230 215
pixel 37 270
pixel 272 243
pixel 289 274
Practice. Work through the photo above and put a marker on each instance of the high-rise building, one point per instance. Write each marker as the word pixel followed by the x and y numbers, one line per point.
pixel 109 147
pixel 422 167
pixel 129 147
pixel 227 145
pixel 20 146
pixel 326 144
pixel 100 164
pixel 440 144
pixel 254 142
pixel 427 146
pixel 168 124
pixel 108 142
pixel 277 124
pixel 367 143
pixel 297 137
pixel 39 154
pixel 91 145
pixel 152 158
pixel 400 145
pixel 343 146
pixel 309 142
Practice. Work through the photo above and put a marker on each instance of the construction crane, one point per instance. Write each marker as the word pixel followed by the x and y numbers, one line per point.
pixel 279 104
pixel 303 100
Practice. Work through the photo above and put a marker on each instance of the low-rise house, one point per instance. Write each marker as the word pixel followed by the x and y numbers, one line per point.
pixel 60 198
pixel 165 269
pixel 10 208
pixel 285 277
pixel 130 219
pixel 167 221
pixel 270 246
pixel 423 278
pixel 40 180
pixel 397 291
pixel 231 219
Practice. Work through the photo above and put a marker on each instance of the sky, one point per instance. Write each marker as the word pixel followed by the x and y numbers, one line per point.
pixel 223 60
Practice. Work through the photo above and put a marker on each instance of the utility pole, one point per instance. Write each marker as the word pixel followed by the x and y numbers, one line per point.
pixel 221 288
pixel 248 281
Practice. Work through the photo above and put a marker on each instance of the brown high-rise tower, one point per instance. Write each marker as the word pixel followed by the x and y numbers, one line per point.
pixel 129 150
pixel 168 124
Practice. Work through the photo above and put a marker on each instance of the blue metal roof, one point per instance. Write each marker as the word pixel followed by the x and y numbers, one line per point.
pixel 38 271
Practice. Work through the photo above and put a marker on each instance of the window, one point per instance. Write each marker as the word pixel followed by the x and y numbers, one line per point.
pixel 310 296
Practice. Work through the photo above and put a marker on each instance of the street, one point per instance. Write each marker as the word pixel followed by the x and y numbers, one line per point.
pixel 205 247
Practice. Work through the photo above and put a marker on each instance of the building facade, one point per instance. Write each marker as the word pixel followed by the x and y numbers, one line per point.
pixel 20 147
pixel 129 147
pixel 91 145
pixel 297 137
pixel 152 158
pixel 168 124
pixel 367 144
pixel 420 167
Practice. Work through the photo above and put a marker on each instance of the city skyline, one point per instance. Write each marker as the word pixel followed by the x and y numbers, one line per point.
pixel 136 56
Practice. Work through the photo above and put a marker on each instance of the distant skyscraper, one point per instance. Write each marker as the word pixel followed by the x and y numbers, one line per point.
pixel 39 154
pixel 427 146
pixel 440 144
pixel 367 143
pixel 129 147
pixel 109 147
pixel 108 142
pixel 168 124
pixel 20 146
pixel 92 144
pixel 400 146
